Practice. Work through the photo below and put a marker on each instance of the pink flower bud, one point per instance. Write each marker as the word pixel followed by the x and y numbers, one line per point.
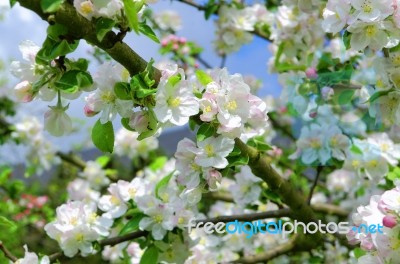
pixel 311 73
pixel 182 40
pixel 313 114
pixel 23 91
pixel 88 111
pixel 389 221
pixel 164 42
pixel 175 47
pixel 139 121
pixel 366 244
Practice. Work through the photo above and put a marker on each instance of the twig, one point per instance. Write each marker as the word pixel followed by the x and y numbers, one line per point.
pixel 318 207
pixel 268 255
pixel 7 253
pixel 248 217
pixel 109 241
pixel 73 160
pixel 223 61
pixel 319 170
pixel 276 125
pixel 119 239
pixel 221 196
pixel 202 61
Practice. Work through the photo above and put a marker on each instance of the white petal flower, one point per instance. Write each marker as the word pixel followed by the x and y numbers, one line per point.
pixel 213 151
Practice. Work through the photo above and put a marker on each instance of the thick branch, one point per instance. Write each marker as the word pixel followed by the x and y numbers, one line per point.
pixel 300 209
pixel 81 28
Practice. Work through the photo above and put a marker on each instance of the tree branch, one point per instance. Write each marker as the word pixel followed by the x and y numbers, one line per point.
pixel 319 170
pixel 271 254
pixel 109 241
pixel 81 28
pixel 300 209
pixel 248 217
pixel 73 160
pixel 7 253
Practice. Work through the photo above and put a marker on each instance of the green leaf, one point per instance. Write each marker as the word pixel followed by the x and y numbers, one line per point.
pixel 158 163
pixel 103 136
pixel 206 130
pixel 210 8
pixel 163 182
pixel 153 126
pixel 72 81
pixel 173 80
pixel 150 256
pixel 358 252
pixel 125 123
pixel 147 31
pixel 356 150
pixel 5 174
pixel 7 224
pixel 103 26
pixel 203 77
pixel 122 91
pixel 345 96
pixel 132 224
pixel 103 160
pixel 142 93
pixel 52 49
pixel 131 10
pixel 259 144
pixel 55 31
pixel 346 39
pixel 379 94
pixel 13 2
pixel 50 6
pixel 238 160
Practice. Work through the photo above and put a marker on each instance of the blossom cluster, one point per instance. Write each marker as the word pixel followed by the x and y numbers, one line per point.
pixel 94 9
pixel 32 258
pixel 204 159
pixel 234 26
pixel 76 226
pixel 225 102
pixel 128 145
pixel 380 247
pixel 41 154
pixel 372 23
pixel 296 36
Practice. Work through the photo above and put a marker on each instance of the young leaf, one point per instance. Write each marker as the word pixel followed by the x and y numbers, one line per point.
pixel 103 136
pixel 132 224
pixel 150 256
pixel 103 26
pixel 125 124
pixel 163 182
pixel 122 91
pixel 147 31
pixel 7 224
pixel 158 163
pixel 131 10
pixel 71 81
pixel 206 130
pixel 50 6
pixel 203 77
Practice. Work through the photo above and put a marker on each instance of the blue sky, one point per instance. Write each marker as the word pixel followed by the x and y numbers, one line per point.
pixel 21 24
